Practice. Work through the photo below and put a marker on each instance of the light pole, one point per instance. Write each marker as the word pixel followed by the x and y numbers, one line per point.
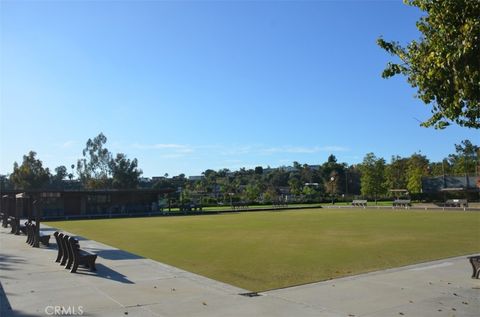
pixel 346 183
pixel 332 179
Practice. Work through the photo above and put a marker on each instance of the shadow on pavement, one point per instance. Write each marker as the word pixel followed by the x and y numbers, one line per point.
pixel 107 273
pixel 7 261
pixel 5 307
pixel 115 254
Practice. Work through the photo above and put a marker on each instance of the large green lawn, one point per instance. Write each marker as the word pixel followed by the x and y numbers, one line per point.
pixel 265 250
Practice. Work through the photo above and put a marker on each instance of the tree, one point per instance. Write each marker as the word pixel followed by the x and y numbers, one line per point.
pixel 94 168
pixel 373 176
pixel 163 183
pixel 440 168
pixel 270 195
pixel 125 173
pixel 60 173
pixel 295 184
pixel 31 174
pixel 396 172
pixel 70 175
pixel 444 65
pixel 336 170
pixel 252 191
pixel 353 180
pixel 258 170
pixel 310 192
pixel 466 159
pixel 417 167
pixel 209 181
pixel 278 178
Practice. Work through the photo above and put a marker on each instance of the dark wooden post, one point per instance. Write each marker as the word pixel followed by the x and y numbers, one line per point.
pixel 11 207
pixel 4 206
pixel 36 212
pixel 19 205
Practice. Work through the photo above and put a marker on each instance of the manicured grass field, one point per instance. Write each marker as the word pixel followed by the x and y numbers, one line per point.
pixel 265 250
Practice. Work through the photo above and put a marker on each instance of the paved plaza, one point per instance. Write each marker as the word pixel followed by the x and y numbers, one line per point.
pixel 32 284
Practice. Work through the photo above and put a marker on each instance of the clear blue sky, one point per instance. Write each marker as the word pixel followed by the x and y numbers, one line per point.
pixel 186 86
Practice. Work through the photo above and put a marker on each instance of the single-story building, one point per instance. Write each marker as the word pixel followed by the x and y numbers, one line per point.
pixel 62 204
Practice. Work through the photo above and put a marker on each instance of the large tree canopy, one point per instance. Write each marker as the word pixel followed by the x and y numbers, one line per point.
pixel 125 172
pixel 444 65
pixel 94 168
pixel 31 174
pixel 99 169
pixel 373 176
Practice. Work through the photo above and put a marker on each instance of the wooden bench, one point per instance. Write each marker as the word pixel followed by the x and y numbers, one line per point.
pixel 4 217
pixel 23 228
pixel 7 222
pixel 475 262
pixel 66 254
pixel 239 205
pixel 34 238
pixel 63 238
pixel 17 227
pixel 190 207
pixel 359 203
pixel 30 233
pixel 456 203
pixel 402 203
pixel 279 204
pixel 58 236
pixel 80 257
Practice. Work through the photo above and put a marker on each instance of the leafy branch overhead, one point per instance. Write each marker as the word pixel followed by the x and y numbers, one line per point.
pixel 444 64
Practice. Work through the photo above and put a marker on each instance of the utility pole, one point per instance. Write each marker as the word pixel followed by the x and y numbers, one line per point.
pixel 443 171
pixel 346 182
pixel 332 179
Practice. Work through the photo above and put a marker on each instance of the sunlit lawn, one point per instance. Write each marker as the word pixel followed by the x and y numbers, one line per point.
pixel 266 250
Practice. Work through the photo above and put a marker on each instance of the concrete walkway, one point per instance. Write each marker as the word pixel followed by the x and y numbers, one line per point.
pixel 125 284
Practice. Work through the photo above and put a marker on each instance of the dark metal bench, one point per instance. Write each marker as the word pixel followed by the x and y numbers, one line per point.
pixel 79 257
pixel 402 203
pixel 59 236
pixel 17 227
pixel 279 204
pixel 475 262
pixel 359 203
pixel 30 233
pixel 239 205
pixel 34 237
pixel 4 217
pixel 7 222
pixel 67 255
pixel 456 203
pixel 190 207
pixel 63 238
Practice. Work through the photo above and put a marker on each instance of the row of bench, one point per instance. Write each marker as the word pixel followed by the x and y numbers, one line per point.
pixel 402 203
pixel 456 203
pixel 239 205
pixel 396 203
pixel 463 203
pixel 34 238
pixel 475 262
pixel 70 255
pixel 359 203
